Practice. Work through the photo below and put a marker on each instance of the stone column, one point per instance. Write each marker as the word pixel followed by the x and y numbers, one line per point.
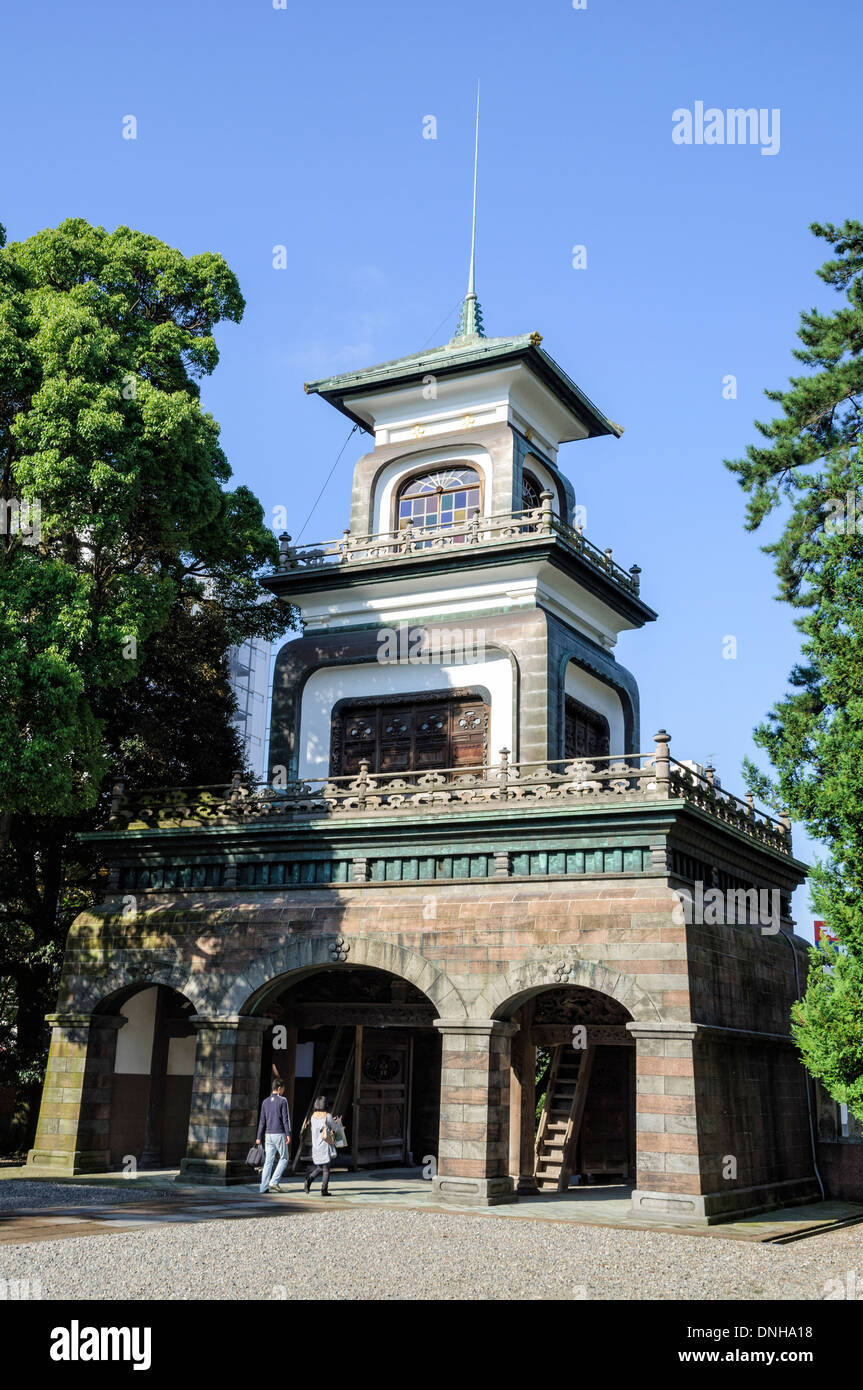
pixel 225 1091
pixel 669 1185
pixel 75 1115
pixel 721 1123
pixel 473 1155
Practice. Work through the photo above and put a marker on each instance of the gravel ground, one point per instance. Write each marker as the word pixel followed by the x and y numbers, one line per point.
pixel 385 1254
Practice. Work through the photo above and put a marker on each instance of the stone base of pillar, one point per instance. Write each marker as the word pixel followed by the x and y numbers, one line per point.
pixel 526 1183
pixel 474 1192
pixel 70 1163
pixel 215 1172
pixel 707 1208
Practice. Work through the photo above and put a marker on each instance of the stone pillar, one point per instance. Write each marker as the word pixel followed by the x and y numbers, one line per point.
pixel 668 1182
pixel 225 1091
pixel 75 1115
pixel 721 1123
pixel 473 1155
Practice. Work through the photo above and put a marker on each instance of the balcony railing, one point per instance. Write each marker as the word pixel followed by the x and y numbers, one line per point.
pixel 576 782
pixel 481 531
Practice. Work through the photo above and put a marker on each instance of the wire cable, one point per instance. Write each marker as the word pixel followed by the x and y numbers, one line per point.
pixel 326 481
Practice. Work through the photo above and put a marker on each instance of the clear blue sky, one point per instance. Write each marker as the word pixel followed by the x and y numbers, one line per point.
pixel 303 127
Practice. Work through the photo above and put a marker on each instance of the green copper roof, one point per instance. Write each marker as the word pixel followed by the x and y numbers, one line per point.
pixel 460 354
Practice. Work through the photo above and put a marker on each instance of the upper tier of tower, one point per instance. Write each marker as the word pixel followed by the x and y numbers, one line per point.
pixel 471 381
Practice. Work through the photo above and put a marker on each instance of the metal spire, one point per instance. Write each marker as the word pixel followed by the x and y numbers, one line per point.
pixel 470 322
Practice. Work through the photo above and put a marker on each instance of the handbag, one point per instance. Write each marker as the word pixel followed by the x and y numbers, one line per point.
pixel 255 1156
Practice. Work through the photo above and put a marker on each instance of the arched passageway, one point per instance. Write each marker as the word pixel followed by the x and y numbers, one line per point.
pixel 152 1076
pixel 572 1094
pixel 365 1039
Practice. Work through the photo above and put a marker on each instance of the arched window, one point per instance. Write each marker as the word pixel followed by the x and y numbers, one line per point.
pixel 447 500
pixel 531 490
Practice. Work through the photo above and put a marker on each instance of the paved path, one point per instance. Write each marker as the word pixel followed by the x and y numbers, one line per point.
pixel 39 1210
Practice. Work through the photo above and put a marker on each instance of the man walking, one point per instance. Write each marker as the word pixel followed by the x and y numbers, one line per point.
pixel 274 1131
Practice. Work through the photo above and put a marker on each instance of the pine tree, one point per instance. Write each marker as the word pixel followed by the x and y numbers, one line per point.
pixel 812 469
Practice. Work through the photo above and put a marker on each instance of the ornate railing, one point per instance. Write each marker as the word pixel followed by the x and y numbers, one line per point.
pixel 576 782
pixel 481 531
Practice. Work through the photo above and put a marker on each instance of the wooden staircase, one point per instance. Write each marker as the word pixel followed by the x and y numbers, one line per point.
pixel 335 1080
pixel 562 1113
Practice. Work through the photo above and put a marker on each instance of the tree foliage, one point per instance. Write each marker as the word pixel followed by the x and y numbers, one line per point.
pixel 812 468
pixel 127 565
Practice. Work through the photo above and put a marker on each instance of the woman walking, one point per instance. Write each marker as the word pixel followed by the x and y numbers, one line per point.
pixel 323 1152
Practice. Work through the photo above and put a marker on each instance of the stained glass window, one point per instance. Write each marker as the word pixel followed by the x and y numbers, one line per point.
pixel 530 492
pixel 446 500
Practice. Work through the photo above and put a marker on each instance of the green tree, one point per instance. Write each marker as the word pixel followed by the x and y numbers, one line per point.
pixel 811 468
pixel 127 567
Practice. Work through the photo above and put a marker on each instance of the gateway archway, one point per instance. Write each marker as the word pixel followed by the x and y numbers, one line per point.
pixel 572 1091
pixel 151 1077
pixel 365 1039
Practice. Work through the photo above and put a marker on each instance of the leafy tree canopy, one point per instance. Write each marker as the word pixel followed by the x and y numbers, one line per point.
pixel 127 568
pixel 116 481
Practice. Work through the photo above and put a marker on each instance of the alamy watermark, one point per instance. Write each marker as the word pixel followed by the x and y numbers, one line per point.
pixel 21 518
pixel 760 907
pixel 437 646
pixel 844 515
pixel 737 125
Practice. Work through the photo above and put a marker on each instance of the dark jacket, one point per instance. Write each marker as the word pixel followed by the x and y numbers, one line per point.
pixel 275 1117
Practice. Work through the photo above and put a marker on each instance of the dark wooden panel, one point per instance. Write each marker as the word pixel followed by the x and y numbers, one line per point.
pixel 417 733
pixel 175 1119
pixel 606 1132
pixel 128 1121
pixel 586 732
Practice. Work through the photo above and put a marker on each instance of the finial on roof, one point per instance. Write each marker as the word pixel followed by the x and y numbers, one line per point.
pixel 470 320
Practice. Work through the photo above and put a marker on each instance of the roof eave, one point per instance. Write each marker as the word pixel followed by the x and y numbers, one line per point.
pixel 341 392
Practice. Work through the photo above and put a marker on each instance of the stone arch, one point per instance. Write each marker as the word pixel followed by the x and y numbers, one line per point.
pixel 103 992
pixel 312 953
pixel 503 995
pixel 213 995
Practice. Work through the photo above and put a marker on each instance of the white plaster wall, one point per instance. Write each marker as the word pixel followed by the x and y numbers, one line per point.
pixel 135 1038
pixel 181 1056
pixel 428 461
pixel 581 685
pixel 332 683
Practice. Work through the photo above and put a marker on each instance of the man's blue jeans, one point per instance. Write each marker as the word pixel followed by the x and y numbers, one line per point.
pixel 276 1148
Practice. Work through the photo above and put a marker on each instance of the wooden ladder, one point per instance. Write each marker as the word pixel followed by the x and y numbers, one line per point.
pixel 335 1081
pixel 562 1113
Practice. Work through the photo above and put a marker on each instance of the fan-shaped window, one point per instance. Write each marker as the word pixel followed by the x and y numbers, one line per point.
pixel 446 500
pixel 531 491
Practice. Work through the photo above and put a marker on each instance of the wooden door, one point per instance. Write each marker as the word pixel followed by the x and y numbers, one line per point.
pixel 382 1098
pixel 607 1129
